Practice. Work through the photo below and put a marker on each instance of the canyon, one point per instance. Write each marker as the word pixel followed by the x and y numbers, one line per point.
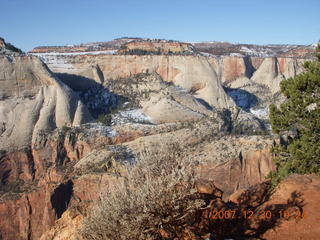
pixel 74 117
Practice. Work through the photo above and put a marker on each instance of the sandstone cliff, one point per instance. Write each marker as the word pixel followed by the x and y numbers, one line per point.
pixel 68 169
pixel 203 76
pixel 195 74
pixel 33 100
pixel 50 178
pixel 156 47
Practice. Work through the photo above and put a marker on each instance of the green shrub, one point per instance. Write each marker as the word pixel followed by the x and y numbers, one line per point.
pixel 298 120
pixel 105 119
pixel 65 129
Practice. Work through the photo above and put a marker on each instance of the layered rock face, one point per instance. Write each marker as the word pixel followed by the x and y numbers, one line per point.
pixel 195 74
pixel 267 71
pixel 202 76
pixel 163 47
pixel 68 170
pixel 160 101
pixel 35 185
pixel 33 100
pixel 50 178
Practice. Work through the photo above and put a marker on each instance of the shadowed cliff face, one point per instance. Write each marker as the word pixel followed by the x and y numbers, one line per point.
pixel 61 197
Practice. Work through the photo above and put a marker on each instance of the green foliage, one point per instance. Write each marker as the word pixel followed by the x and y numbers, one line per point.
pixel 105 119
pixel 65 129
pixel 298 119
pixel 141 52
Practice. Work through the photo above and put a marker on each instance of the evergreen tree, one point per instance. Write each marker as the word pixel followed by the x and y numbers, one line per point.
pixel 300 116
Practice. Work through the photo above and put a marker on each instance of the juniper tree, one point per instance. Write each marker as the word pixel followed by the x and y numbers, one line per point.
pixel 299 114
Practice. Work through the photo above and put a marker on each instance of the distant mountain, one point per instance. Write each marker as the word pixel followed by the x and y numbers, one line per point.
pixel 270 50
pixel 143 46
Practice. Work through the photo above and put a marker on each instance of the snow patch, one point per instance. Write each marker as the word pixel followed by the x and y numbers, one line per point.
pixel 236 55
pixel 99 127
pixel 261 113
pixel 260 52
pixel 131 116
pixel 206 54
pixel 55 61
pixel 110 52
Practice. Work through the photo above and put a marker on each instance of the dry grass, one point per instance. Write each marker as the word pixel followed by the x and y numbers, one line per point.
pixel 157 200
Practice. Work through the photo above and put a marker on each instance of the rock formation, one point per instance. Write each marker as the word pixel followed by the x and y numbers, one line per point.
pixel 195 74
pixel 33 100
pixel 7 48
pixel 55 174
pixel 156 47
pixel 292 209
pixel 203 76
pixel 55 159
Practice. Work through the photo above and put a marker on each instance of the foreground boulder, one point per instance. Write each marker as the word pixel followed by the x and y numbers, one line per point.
pixel 293 209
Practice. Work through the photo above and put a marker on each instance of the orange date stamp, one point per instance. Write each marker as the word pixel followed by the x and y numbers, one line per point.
pixel 258 214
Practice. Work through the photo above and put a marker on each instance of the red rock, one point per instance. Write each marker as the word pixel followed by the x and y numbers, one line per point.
pixel 249 169
pixel 27 217
pixel 297 190
pixel 233 68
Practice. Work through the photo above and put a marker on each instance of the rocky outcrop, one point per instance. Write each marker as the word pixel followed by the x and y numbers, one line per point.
pixel 69 168
pixel 289 212
pixel 195 74
pixel 267 71
pixel 230 68
pixel 160 101
pixel 33 100
pixel 200 75
pixel 36 187
pixel 8 49
pixel 26 217
pixel 250 167
pixel 50 177
pixel 264 83
pixel 156 47
pixel 304 192
pixel 2 43
pixel 292 209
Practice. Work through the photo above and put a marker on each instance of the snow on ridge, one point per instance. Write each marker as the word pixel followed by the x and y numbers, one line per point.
pixel 55 61
pixel 131 116
pixel 110 52
pixel 236 55
pixel 206 54
pixel 99 127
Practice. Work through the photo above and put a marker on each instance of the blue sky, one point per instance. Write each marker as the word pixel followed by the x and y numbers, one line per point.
pixel 30 23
